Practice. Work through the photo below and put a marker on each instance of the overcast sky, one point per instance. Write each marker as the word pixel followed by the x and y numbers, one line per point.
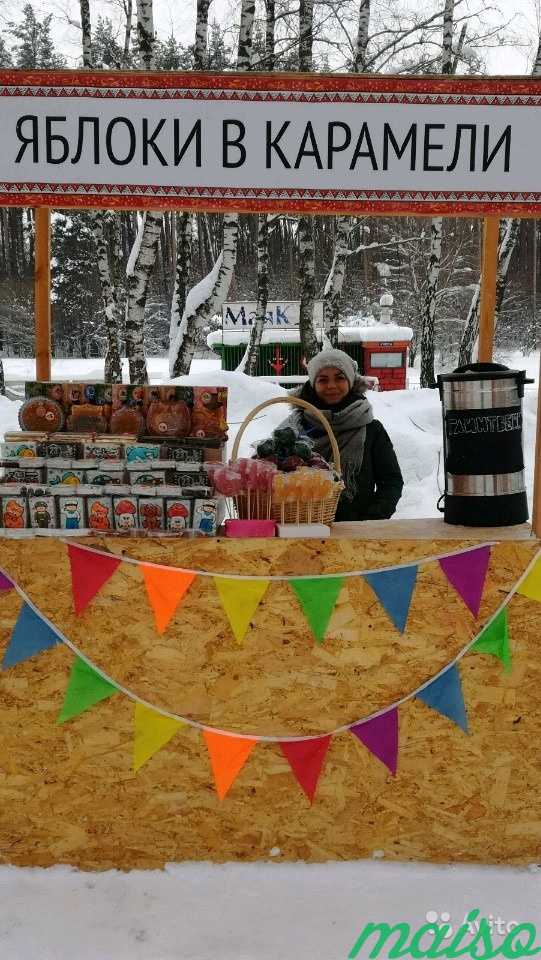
pixel 178 17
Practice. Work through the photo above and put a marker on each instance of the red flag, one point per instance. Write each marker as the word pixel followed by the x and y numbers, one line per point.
pixel 306 758
pixel 89 572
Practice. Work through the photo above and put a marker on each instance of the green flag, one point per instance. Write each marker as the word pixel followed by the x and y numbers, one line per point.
pixel 85 688
pixel 495 640
pixel 317 598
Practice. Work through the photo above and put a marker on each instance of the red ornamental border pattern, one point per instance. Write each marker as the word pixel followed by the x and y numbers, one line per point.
pixel 261 199
pixel 492 90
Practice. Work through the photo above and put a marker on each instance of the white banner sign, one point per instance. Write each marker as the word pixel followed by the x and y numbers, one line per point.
pixel 281 314
pixel 339 143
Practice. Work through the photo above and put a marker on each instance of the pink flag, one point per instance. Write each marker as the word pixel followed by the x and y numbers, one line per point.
pixel 380 735
pixel 466 572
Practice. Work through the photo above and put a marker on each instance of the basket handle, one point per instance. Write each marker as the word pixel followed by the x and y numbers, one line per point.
pixel 296 402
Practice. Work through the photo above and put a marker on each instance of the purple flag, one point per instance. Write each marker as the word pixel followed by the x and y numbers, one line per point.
pixel 466 572
pixel 380 735
pixel 5 582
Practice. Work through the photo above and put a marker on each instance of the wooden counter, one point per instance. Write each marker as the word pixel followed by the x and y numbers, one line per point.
pixel 68 793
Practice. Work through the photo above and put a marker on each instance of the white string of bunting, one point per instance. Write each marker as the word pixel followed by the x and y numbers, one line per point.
pixel 154 726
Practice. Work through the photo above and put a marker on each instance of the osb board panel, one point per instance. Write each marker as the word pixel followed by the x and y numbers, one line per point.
pixel 68 793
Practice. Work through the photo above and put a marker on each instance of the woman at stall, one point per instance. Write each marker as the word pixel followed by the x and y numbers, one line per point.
pixel 370 470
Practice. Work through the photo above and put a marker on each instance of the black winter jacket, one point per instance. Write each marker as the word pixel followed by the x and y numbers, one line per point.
pixel 380 482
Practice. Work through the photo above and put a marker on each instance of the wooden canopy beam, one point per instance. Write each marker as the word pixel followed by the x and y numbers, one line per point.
pixel 42 292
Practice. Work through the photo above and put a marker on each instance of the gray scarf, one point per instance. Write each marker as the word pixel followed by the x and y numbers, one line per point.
pixel 349 428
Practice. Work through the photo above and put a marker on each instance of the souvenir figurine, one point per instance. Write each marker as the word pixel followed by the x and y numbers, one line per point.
pixel 209 412
pixel 42 512
pixel 177 515
pixel 128 419
pixel 71 511
pixel 125 510
pixel 168 419
pixel 204 517
pixel 41 414
pixel 151 513
pixel 88 418
pixel 100 513
pixel 14 513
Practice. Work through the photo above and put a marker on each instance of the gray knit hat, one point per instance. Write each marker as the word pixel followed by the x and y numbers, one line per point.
pixel 332 358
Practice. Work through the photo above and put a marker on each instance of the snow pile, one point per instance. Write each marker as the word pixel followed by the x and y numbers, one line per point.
pixel 279 334
pixel 233 911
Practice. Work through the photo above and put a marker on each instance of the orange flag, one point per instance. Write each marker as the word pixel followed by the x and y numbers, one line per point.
pixel 228 754
pixel 165 588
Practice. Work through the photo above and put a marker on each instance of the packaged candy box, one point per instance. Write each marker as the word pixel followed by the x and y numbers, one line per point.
pixel 178 514
pixel 100 515
pixel 71 512
pixel 42 509
pixel 151 513
pixel 14 512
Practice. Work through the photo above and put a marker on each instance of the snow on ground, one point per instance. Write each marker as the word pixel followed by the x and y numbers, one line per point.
pixel 268 911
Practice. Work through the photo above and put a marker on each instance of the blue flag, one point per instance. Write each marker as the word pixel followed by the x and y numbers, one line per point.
pixel 444 694
pixel 30 635
pixel 393 589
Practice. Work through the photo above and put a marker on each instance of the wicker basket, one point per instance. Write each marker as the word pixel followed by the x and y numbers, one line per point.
pixel 294 511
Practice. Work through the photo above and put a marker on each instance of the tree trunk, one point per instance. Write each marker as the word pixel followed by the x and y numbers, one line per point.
pixel 183 345
pixel 309 344
pixel 270 27
pixel 86 33
pixel 139 274
pixel 306 35
pixel 335 280
pixel 359 65
pixel 505 253
pixel 145 34
pixel 109 289
pixel 201 34
pixel 183 339
pixel 248 363
pixel 428 377
pixel 108 277
pixel 184 233
pixel 244 53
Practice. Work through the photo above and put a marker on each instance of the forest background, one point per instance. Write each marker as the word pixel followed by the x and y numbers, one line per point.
pixel 153 283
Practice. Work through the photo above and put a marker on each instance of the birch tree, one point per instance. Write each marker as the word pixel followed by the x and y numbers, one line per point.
pixel 108 254
pixel 201 35
pixel 213 288
pixel 332 295
pixel 143 255
pixel 248 363
pixel 305 230
pixel 428 378
pixel 509 232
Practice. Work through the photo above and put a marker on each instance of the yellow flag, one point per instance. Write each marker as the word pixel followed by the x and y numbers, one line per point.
pixel 240 600
pixel 152 732
pixel 531 586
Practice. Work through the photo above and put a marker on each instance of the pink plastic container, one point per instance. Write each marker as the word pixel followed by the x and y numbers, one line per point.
pixel 250 528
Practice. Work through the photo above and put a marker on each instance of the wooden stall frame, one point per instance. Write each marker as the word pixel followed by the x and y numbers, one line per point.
pixel 404 207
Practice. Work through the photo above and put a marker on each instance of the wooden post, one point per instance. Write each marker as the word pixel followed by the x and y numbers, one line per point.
pixel 42 292
pixel 536 511
pixel 489 271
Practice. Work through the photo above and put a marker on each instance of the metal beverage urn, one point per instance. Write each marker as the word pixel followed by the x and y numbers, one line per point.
pixel 482 445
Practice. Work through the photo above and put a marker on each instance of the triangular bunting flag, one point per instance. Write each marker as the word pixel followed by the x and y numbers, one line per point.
pixel 466 572
pixel 240 600
pixel 306 758
pixel 228 754
pixel 30 635
pixel 152 732
pixel 85 688
pixel 89 572
pixel 165 589
pixel 394 589
pixel 531 585
pixel 317 597
pixel 5 583
pixel 495 640
pixel 380 735
pixel 444 694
